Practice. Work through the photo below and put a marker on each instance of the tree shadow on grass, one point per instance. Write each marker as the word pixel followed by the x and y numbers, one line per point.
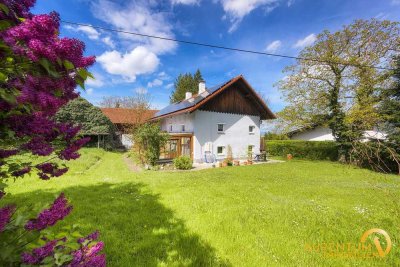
pixel 136 228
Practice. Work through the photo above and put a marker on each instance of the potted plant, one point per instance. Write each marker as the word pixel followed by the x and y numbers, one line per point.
pixel 236 163
pixel 289 156
pixel 220 164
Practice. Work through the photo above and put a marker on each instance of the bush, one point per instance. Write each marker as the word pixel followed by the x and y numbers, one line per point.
pixel 314 150
pixel 183 163
pixel 377 156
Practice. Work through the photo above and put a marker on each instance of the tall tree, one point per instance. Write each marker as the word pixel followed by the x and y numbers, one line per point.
pixel 390 110
pixel 185 83
pixel 338 87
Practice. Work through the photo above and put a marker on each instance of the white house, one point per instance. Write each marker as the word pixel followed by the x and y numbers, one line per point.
pixel 214 119
pixel 322 133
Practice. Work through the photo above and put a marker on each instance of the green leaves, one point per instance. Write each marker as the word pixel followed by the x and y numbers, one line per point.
pixel 4 9
pixel 48 66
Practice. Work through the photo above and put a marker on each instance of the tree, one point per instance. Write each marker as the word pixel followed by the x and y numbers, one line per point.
pixel 148 140
pixel 338 87
pixel 38 74
pixel 91 120
pixel 185 83
pixel 390 110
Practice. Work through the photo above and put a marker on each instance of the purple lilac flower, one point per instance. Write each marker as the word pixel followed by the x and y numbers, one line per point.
pixel 5 216
pixel 39 254
pixel 88 256
pixel 48 170
pixel 7 153
pixel 21 172
pixel 48 217
pixel 91 237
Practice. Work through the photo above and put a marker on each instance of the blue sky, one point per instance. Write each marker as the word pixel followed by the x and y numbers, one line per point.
pixel 127 64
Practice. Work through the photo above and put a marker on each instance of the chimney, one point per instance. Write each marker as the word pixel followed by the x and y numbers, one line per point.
pixel 188 95
pixel 202 87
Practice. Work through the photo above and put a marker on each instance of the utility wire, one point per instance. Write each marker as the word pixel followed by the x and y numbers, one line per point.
pixel 221 47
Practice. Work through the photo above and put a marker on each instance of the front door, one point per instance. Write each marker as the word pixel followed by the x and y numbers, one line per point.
pixel 172 146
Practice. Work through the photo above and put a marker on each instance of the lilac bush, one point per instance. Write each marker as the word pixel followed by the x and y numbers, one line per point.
pixel 39 72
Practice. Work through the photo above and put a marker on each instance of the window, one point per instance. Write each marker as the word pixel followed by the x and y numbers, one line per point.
pixel 183 127
pixel 220 150
pixel 170 127
pixel 220 127
pixel 252 128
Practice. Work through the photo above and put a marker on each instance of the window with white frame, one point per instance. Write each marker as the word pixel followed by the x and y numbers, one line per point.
pixel 183 127
pixel 220 150
pixel 221 127
pixel 252 129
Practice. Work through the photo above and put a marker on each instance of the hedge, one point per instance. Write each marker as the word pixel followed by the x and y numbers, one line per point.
pixel 314 150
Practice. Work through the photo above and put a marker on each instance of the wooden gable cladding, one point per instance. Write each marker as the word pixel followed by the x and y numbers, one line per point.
pixel 233 100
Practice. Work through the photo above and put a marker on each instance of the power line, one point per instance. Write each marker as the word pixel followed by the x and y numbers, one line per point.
pixel 221 47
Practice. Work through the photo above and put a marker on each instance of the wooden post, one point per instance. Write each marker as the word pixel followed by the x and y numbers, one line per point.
pixel 98 141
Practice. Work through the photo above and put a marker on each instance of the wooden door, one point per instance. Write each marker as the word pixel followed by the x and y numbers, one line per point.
pixel 173 148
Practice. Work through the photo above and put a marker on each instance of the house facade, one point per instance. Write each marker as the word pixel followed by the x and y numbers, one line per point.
pixel 215 121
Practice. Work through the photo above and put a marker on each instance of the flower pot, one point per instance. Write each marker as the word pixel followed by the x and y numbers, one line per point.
pixel 224 164
pixel 236 163
pixel 289 156
pixel 249 162
pixel 220 164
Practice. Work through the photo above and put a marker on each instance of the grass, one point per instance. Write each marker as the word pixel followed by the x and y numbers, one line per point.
pixel 260 215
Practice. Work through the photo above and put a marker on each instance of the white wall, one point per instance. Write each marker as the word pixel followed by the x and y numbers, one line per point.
pixel 317 134
pixel 325 134
pixel 176 122
pixel 236 133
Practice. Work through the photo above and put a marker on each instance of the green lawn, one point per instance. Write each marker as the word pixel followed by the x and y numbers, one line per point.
pixel 236 216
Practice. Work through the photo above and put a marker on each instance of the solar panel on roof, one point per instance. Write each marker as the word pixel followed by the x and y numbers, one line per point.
pixel 184 104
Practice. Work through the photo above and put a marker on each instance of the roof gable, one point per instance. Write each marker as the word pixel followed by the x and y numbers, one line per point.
pixel 237 89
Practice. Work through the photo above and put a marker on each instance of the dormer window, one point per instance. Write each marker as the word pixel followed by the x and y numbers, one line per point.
pixel 170 127
pixel 183 127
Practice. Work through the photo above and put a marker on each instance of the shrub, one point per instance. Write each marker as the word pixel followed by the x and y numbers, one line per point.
pixel 314 150
pixel 377 156
pixel 183 163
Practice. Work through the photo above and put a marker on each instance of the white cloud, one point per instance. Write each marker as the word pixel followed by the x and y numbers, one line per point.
pixel 163 76
pixel 108 41
pixel 141 90
pixel 89 91
pixel 138 61
pixel 185 2
pixel 138 17
pixel 90 32
pixel 98 80
pixel 169 86
pixel 290 3
pixel 155 83
pixel 236 10
pixel 273 47
pixel 395 2
pixel 308 40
